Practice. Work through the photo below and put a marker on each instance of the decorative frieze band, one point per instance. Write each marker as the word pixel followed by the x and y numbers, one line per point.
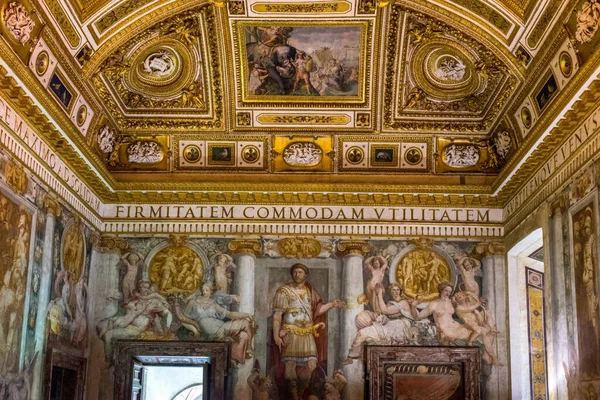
pixel 266 228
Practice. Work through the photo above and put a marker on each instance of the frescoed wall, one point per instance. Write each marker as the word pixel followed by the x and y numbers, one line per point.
pixel 44 264
pixel 297 311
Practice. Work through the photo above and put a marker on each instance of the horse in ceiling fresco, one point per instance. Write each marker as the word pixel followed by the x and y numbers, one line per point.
pixel 277 62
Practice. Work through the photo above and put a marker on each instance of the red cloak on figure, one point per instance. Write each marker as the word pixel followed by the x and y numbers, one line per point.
pixel 276 365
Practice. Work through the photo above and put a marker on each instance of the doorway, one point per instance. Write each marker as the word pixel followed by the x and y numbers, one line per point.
pixel 151 370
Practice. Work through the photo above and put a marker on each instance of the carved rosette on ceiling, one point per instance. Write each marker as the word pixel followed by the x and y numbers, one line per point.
pixel 449 81
pixel 171 70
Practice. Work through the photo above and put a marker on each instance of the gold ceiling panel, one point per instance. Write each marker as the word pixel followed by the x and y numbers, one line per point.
pixel 440 79
pixel 167 77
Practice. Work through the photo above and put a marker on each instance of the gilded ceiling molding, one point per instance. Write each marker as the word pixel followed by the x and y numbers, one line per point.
pixel 543 23
pixel 498 44
pixel 63 22
pixel 487 13
pixel 156 81
pixel 37 119
pixel 557 135
pixel 163 11
pixel 415 98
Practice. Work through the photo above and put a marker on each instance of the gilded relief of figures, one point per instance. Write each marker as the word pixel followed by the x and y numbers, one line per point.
pixel 15 231
pixel 180 299
pixel 67 318
pixel 586 295
pixel 176 270
pixel 423 307
pixel 421 271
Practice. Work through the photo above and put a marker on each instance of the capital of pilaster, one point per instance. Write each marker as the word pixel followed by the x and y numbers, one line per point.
pixel 52 206
pixel 352 247
pixel 246 246
pixel 490 249
pixel 557 206
pixel 109 244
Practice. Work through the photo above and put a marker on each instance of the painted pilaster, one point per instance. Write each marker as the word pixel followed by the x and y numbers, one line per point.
pixel 353 254
pixel 102 288
pixel 245 252
pixel 53 211
pixel 557 324
pixel 494 291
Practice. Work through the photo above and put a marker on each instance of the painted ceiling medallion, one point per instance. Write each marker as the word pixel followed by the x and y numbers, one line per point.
pixel 42 62
pixel 444 69
pixel 303 154
pixel 355 155
pixel 526 117
pixel 250 154
pixel 413 156
pixel 566 64
pixel 82 113
pixel 192 153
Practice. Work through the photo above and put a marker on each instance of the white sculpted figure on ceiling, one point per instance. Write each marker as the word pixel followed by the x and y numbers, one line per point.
pixel 303 153
pixel 106 139
pixel 457 155
pixel 159 64
pixel 19 23
pixel 503 142
pixel 144 152
pixel 451 69
pixel 588 20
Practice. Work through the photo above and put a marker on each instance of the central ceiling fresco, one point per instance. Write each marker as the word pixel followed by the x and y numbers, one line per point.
pixel 362 93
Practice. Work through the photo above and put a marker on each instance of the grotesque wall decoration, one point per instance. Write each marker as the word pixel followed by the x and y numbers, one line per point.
pixel 19 23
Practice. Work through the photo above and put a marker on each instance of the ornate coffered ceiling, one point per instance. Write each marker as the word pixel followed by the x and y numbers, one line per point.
pixel 319 96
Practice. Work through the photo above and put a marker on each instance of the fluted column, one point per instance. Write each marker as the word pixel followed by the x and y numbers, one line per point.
pixel 53 210
pixel 557 325
pixel 245 252
pixel 493 265
pixel 353 253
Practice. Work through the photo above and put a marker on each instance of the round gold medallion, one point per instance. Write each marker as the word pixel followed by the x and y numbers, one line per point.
pixel 355 155
pixel 413 156
pixel 81 115
pixel 526 117
pixel 192 153
pixel 41 63
pixel 565 61
pixel 250 154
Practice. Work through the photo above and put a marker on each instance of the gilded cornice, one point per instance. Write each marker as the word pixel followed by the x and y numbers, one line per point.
pixel 229 196
pixel 20 101
pixel 557 136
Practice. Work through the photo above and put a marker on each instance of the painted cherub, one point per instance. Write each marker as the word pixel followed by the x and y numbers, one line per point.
pixel 377 266
pixel 222 270
pixel 132 262
pixel 468 267
pixel 261 386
